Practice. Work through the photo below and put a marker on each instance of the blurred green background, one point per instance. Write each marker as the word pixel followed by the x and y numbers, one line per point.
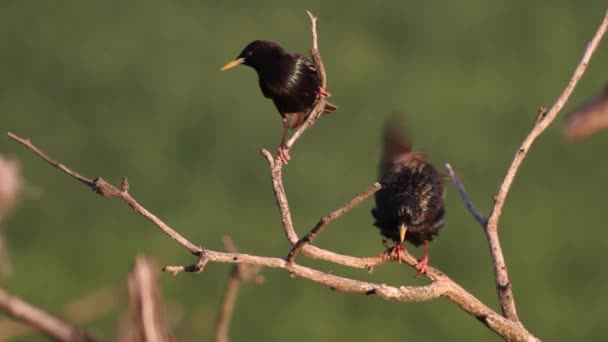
pixel 115 88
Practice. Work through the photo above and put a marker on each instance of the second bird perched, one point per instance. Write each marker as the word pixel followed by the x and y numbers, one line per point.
pixel 289 79
pixel 409 206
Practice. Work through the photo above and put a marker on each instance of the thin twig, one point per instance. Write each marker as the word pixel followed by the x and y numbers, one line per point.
pixel 276 171
pixel 544 119
pixel 41 320
pixel 238 272
pixel 78 311
pixel 327 219
pixel 56 164
pixel 291 235
pixel 465 197
pixel 318 108
pixel 147 311
pixel 313 24
pixel 224 314
pixel 314 52
pixel 246 273
pixel 108 190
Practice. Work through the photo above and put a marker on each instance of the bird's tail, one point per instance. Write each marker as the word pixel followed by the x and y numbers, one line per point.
pixel 329 107
pixel 395 141
pixel 396 145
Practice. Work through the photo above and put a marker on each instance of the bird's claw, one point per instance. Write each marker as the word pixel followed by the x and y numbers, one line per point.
pixel 396 252
pixel 283 154
pixel 421 266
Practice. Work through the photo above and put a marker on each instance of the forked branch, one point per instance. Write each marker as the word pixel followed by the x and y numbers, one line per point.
pixel 543 120
pixel 506 325
pixel 327 219
pixel 441 286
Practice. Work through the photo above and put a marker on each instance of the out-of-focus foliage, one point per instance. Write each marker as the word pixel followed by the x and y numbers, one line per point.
pixel 116 88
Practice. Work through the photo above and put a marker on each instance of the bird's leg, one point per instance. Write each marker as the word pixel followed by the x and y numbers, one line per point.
pixel 283 151
pixel 423 263
pixel 396 252
pixel 323 92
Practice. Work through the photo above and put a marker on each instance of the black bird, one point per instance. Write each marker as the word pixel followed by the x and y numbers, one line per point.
pixel 289 79
pixel 409 206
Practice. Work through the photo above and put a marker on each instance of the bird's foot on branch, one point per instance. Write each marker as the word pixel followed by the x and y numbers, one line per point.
pixel 283 154
pixel 396 252
pixel 422 264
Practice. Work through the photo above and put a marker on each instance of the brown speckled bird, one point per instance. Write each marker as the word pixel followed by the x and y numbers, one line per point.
pixel 289 79
pixel 409 206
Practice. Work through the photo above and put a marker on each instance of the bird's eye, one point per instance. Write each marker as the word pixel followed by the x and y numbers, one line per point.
pixel 249 53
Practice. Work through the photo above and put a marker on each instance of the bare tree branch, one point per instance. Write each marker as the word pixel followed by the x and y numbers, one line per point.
pixel 543 120
pixel 327 219
pixel 246 273
pixel 239 272
pixel 291 235
pixel 108 190
pixel 224 315
pixel 41 320
pixel 78 311
pixel 147 311
pixel 441 286
pixel 318 108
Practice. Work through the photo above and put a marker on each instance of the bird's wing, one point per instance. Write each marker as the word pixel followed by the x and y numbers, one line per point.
pixel 264 88
pixel 310 65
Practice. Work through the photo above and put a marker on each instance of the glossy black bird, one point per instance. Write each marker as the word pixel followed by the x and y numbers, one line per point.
pixel 409 206
pixel 288 78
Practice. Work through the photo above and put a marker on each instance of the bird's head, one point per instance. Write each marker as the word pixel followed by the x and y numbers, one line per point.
pixel 258 54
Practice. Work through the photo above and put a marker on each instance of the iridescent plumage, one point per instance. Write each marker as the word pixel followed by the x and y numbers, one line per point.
pixel 289 79
pixel 410 202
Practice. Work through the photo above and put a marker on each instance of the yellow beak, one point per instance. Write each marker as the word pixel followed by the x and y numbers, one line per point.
pixel 402 231
pixel 234 63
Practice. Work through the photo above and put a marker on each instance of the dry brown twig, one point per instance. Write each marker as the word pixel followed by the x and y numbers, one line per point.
pixel 327 219
pixel 100 186
pixel 41 320
pixel 317 110
pixel 78 311
pixel 238 273
pixel 543 120
pixel 147 312
pixel 506 325
pixel 11 184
